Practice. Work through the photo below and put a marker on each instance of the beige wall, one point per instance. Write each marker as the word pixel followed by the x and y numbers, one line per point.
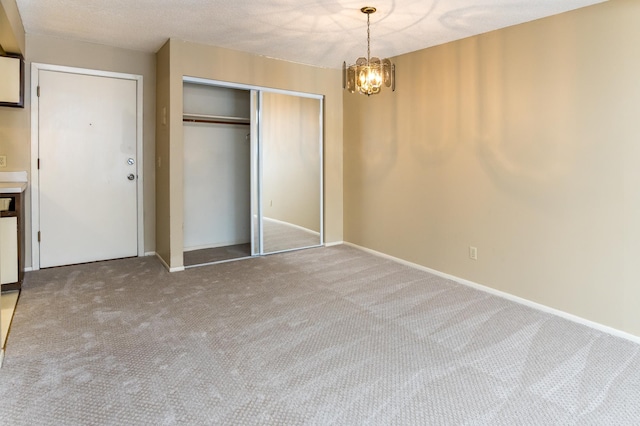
pixel 196 60
pixel 162 156
pixel 15 130
pixel 14 122
pixel 523 142
pixel 12 37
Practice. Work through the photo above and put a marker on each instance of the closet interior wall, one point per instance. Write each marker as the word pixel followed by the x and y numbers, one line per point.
pixel 217 210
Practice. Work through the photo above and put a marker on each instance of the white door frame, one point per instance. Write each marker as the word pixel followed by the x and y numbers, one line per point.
pixel 35 143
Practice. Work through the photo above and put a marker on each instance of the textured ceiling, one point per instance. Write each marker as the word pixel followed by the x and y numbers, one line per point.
pixel 315 32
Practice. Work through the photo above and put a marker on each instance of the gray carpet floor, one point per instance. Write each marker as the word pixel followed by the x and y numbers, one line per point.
pixel 318 336
pixel 216 254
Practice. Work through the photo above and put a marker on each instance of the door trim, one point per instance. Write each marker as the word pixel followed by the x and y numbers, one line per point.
pixel 35 143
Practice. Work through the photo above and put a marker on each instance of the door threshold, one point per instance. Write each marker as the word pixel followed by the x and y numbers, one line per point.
pixel 218 262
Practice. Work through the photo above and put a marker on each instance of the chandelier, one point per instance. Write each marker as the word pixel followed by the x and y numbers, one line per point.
pixel 368 75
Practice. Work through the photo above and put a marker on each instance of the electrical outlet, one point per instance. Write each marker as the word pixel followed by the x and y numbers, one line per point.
pixel 3 161
pixel 473 253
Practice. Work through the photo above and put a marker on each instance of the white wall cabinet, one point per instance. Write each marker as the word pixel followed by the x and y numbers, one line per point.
pixel 8 250
pixel 12 233
pixel 12 81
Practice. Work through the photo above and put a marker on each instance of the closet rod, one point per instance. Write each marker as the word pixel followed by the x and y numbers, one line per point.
pixel 193 120
pixel 215 119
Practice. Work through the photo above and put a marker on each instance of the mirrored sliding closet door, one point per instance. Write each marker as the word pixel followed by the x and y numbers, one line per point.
pixel 252 171
pixel 291 171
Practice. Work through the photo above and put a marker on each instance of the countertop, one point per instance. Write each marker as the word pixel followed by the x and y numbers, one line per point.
pixel 13 182
pixel 12 187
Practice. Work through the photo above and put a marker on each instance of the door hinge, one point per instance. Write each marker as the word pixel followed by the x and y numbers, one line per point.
pixel 38 164
pixel 38 236
pixel 38 91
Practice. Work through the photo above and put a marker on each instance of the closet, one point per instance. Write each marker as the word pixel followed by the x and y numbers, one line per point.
pixel 252 171
pixel 217 210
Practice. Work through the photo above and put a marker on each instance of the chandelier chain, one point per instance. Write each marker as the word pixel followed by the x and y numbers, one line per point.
pixel 368 40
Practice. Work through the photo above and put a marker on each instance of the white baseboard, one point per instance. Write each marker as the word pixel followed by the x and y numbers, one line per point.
pixel 574 318
pixel 150 253
pixel 167 267
pixel 28 269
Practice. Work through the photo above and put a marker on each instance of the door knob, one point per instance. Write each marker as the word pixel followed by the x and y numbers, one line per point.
pixel 131 176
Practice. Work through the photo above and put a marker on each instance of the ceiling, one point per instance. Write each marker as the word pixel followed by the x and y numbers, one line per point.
pixel 316 32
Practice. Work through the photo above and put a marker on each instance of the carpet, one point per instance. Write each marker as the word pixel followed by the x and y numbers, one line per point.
pixel 312 337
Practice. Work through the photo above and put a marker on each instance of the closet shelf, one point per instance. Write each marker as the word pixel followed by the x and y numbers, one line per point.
pixel 216 119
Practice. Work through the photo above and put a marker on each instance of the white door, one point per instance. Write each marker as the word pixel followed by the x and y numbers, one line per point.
pixel 87 168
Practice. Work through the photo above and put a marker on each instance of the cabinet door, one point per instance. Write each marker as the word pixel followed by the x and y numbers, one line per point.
pixel 11 81
pixel 8 250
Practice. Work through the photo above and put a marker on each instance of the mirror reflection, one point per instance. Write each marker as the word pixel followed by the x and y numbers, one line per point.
pixel 291 161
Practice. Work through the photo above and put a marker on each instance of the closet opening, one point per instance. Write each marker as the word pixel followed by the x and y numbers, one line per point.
pixel 216 127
